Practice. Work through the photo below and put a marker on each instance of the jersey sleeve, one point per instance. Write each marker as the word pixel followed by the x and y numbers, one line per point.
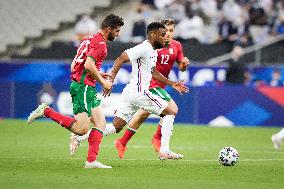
pixel 95 51
pixel 135 52
pixel 180 53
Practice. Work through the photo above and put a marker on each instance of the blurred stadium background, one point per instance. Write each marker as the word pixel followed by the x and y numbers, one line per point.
pixel 236 48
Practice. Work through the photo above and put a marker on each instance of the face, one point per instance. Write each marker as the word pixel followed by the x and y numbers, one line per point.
pixel 170 33
pixel 113 33
pixel 159 38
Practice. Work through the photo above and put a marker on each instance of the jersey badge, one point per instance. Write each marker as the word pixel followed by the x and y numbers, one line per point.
pixel 171 50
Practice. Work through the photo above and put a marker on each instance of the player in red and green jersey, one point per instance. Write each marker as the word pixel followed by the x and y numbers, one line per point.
pixel 84 75
pixel 166 58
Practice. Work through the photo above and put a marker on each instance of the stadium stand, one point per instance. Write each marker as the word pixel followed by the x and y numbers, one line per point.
pixel 220 34
pixel 31 17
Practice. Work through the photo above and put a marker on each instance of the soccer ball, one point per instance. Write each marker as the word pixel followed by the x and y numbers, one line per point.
pixel 228 156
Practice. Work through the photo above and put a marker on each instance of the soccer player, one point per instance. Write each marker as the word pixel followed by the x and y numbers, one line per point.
pixel 166 58
pixel 136 94
pixel 85 73
pixel 277 139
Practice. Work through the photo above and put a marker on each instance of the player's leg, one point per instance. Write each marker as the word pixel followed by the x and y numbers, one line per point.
pixel 139 117
pixel 118 124
pixel 122 116
pixel 277 139
pixel 157 137
pixel 156 140
pixel 167 130
pixel 115 127
pixel 77 125
pixel 95 138
pixel 85 100
pixel 81 95
pixel 168 111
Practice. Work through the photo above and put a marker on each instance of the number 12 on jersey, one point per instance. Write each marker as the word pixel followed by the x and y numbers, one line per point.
pixel 165 58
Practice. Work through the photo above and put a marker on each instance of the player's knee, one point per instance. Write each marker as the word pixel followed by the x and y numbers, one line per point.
pixel 145 116
pixel 82 131
pixel 174 111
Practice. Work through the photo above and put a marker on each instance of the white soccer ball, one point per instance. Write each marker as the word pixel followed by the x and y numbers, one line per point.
pixel 228 156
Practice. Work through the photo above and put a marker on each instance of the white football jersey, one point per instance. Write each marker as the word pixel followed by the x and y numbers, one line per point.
pixel 143 58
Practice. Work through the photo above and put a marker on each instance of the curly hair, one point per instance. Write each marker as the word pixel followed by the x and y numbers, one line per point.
pixel 113 21
pixel 154 26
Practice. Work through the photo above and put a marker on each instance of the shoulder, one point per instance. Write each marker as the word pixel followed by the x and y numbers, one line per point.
pixel 176 44
pixel 146 45
pixel 97 41
pixel 142 47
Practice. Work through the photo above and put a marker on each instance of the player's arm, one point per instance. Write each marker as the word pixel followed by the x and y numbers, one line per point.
pixel 179 86
pixel 182 65
pixel 158 76
pixel 182 61
pixel 72 66
pixel 91 68
pixel 123 58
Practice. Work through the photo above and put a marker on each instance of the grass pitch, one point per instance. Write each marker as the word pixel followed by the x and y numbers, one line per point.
pixel 37 157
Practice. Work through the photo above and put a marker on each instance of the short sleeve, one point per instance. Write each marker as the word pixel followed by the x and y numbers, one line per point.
pixel 135 52
pixel 179 53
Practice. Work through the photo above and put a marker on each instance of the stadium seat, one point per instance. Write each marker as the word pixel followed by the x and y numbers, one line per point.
pixel 31 17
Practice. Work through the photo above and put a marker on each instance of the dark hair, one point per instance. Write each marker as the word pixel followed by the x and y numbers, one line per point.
pixel 113 21
pixel 155 26
pixel 168 22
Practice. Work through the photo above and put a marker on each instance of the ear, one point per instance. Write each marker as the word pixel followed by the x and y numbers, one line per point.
pixel 109 29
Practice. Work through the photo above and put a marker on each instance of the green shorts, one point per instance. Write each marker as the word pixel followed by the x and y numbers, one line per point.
pixel 84 98
pixel 161 93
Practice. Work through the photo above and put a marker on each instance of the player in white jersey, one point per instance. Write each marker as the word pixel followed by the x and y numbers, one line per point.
pixel 277 139
pixel 136 94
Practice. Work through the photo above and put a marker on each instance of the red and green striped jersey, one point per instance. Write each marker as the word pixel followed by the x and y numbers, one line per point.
pixel 166 58
pixel 94 47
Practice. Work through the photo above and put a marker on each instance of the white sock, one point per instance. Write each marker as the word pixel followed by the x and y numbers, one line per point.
pixel 83 137
pixel 110 129
pixel 166 130
pixel 131 129
pixel 280 134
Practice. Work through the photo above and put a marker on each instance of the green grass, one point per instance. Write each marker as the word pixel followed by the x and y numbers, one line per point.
pixel 37 157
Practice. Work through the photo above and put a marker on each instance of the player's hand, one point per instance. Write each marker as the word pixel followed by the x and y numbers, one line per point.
pixel 106 93
pixel 180 87
pixel 107 85
pixel 184 63
pixel 107 88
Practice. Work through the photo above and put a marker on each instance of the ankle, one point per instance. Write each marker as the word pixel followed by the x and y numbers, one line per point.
pixel 47 111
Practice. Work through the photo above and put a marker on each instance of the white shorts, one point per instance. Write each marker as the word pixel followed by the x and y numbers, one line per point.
pixel 132 102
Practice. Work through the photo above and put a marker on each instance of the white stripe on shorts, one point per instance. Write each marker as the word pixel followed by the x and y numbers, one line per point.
pixel 161 95
pixel 85 97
